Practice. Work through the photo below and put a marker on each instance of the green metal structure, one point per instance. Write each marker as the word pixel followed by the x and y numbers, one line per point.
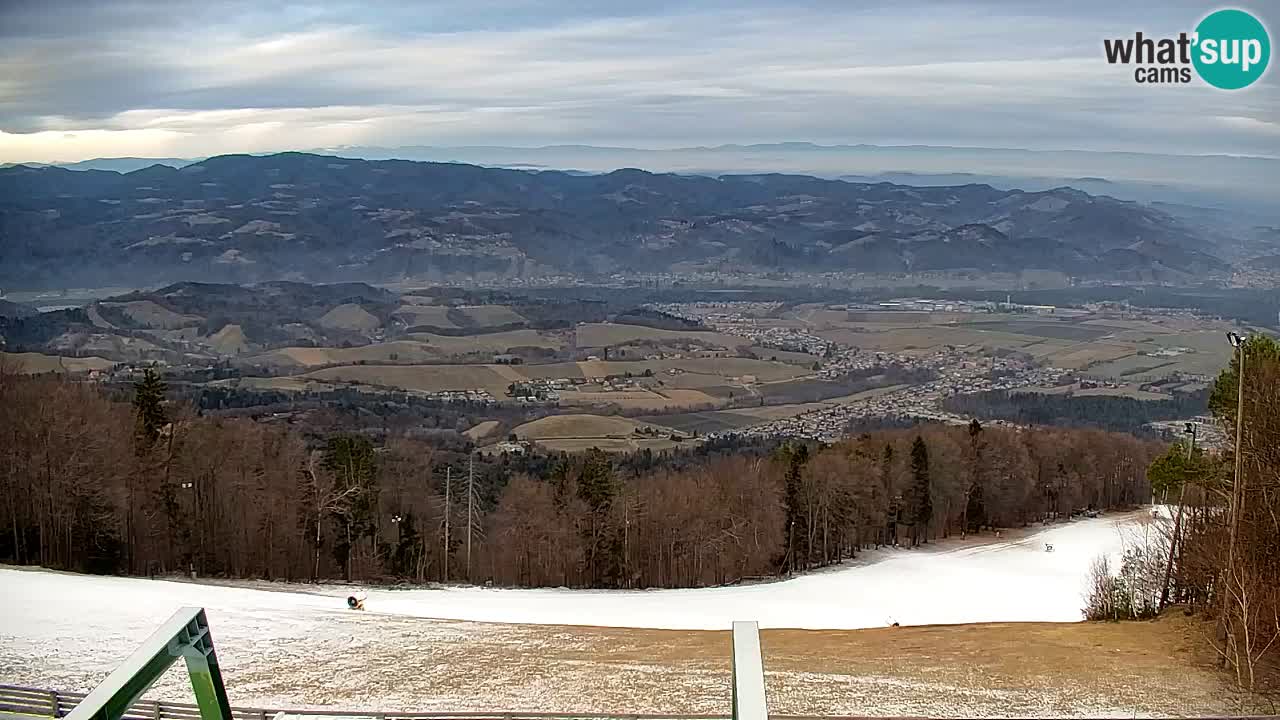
pixel 185 635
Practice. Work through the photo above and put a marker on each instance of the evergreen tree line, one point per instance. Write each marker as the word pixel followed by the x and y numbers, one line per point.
pixel 1226 545
pixel 90 482
pixel 1121 414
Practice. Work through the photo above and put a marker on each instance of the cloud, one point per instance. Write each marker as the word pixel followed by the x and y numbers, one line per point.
pixel 200 78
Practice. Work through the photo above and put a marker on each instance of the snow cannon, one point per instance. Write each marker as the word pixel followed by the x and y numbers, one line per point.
pixel 356 602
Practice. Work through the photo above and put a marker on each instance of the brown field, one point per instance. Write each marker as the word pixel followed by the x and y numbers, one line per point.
pixel 927 338
pixel 230 340
pixel 655 400
pixel 481 430
pixel 498 342
pixel 435 315
pixel 349 317
pixel 149 314
pixel 418 348
pixel 1111 352
pixel 282 384
pixel 602 334
pixel 403 352
pixel 490 315
pixel 578 433
pixel 37 363
pixel 1077 357
pixel 714 370
pixel 580 426
pixel 425 378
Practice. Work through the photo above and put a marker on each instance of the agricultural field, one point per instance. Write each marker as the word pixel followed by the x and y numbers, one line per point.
pixel 482 430
pixel 1053 330
pixel 37 363
pixel 415 348
pixel 457 317
pixel 1104 347
pixel 422 378
pixel 579 426
pixel 433 315
pixel 490 315
pixel 351 317
pixel 599 335
pixel 498 342
pixel 928 338
pixel 230 340
pixel 702 423
pixel 665 399
pixel 401 351
pixel 577 433
pixel 148 314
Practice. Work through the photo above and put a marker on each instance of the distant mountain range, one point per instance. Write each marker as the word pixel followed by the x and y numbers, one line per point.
pixel 243 218
pixel 122 164
pixel 1234 183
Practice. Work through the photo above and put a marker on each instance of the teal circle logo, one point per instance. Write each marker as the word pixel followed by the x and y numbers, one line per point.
pixel 1232 49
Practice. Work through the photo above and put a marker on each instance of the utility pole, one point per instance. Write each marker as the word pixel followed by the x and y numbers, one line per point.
pixel 471 499
pixel 1177 520
pixel 626 539
pixel 448 506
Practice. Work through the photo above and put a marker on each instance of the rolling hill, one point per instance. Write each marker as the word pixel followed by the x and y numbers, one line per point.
pixel 296 216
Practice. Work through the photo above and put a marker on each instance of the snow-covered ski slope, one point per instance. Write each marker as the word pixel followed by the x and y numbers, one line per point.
pixel 951 582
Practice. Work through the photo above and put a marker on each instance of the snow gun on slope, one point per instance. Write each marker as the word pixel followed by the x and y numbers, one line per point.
pixel 356 601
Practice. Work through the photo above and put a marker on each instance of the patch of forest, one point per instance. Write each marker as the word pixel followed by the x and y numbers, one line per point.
pixel 1106 412
pixel 142 484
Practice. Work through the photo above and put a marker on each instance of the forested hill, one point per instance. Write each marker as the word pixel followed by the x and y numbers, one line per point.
pixel 243 218
pixel 94 483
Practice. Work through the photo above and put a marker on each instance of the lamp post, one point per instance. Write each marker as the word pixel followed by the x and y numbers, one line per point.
pixel 1237 486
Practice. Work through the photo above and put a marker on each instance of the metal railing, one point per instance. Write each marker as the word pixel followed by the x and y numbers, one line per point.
pixel 56 703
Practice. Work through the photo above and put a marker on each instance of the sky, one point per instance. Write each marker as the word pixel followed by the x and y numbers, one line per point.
pixel 85 78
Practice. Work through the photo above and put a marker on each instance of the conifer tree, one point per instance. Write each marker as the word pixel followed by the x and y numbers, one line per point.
pixel 921 495
pixel 148 405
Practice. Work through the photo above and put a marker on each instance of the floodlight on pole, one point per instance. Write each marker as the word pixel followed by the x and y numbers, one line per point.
pixel 1237 485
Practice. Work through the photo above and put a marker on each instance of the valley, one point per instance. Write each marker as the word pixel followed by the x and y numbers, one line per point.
pixel 687 364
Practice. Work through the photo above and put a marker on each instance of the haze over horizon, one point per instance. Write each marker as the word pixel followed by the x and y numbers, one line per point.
pixel 87 80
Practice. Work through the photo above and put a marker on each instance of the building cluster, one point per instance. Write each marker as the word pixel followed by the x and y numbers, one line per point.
pixel 476 395
pixel 956 373
pixel 538 390
pixel 1209 433
pixel 548 390
pixel 741 319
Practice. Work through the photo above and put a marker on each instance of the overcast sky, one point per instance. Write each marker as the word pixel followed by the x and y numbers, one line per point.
pixel 186 79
